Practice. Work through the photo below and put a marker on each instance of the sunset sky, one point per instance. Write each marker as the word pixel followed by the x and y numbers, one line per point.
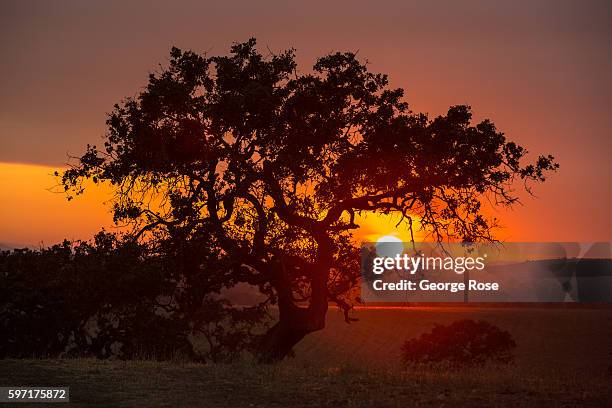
pixel 539 70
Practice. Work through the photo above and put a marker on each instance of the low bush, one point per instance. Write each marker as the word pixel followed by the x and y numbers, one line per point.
pixel 462 343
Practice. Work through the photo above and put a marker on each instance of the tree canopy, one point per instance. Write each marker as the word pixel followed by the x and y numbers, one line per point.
pixel 259 169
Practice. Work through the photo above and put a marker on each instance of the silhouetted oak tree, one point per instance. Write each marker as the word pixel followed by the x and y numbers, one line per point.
pixel 269 165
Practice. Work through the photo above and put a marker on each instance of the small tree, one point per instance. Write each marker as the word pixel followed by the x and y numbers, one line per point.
pixel 269 166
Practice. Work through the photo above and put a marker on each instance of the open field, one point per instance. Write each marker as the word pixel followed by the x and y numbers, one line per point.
pixel 563 357
pixel 551 338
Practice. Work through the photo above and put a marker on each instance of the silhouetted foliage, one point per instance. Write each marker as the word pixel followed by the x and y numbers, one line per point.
pixel 108 298
pixel 269 165
pixel 462 343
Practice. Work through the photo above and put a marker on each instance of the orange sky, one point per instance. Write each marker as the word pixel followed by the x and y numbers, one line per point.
pixel 36 212
pixel 540 71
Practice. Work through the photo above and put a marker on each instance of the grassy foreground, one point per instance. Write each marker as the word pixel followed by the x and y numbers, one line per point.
pixel 562 360
pixel 175 384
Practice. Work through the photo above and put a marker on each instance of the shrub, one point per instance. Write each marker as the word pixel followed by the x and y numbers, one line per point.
pixel 115 298
pixel 464 342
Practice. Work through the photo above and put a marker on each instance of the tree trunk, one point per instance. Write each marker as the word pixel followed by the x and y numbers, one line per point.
pixel 278 343
pixel 295 322
pixel 293 325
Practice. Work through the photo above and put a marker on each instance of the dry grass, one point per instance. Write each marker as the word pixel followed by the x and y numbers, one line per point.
pixel 554 339
pixel 562 360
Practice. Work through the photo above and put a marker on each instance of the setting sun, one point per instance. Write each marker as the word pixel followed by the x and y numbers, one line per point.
pixel 389 246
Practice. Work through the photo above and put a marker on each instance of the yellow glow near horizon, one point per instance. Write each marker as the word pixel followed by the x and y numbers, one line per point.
pixel 388 238
pixel 374 226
